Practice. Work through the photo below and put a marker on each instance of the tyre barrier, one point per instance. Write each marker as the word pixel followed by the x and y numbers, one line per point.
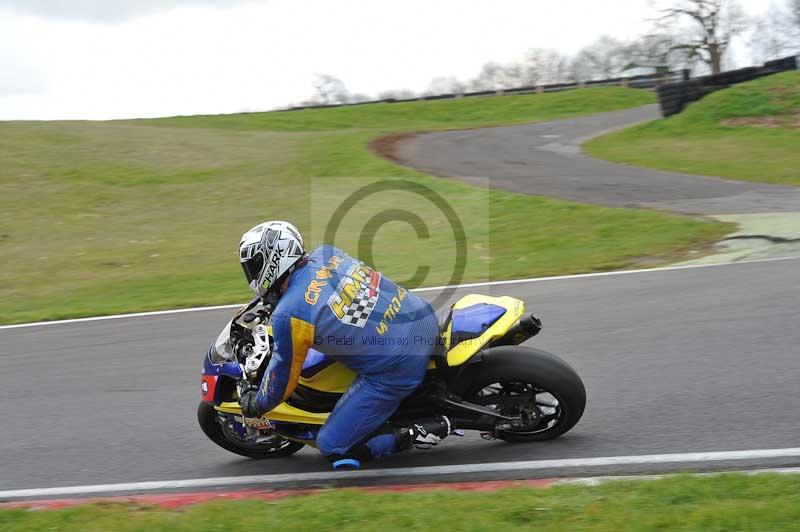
pixel 647 81
pixel 674 97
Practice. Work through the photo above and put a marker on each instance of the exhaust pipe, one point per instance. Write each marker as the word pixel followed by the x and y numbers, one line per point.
pixel 527 327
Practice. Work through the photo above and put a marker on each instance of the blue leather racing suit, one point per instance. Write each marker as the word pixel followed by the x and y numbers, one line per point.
pixel 352 314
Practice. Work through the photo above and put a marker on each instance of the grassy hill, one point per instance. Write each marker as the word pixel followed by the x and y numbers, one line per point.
pixel 750 131
pixel 429 114
pixel 121 216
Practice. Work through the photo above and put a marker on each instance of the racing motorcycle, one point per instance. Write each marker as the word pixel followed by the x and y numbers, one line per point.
pixel 479 377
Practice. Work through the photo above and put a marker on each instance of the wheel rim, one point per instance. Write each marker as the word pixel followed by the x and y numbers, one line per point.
pixel 265 441
pixel 540 410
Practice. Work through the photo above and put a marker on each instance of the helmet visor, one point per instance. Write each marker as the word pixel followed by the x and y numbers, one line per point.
pixel 252 269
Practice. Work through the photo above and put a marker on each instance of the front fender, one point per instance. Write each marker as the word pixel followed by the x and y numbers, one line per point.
pixel 213 375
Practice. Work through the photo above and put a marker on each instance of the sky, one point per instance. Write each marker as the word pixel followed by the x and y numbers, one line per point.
pixel 102 59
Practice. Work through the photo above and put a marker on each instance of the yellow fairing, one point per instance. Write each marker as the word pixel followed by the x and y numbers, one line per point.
pixel 458 354
pixel 283 412
pixel 336 378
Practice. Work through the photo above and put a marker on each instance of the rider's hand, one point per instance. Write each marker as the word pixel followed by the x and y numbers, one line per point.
pixel 249 403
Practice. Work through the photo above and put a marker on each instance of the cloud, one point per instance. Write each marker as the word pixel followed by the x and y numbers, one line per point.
pixel 195 57
pixel 19 77
pixel 20 80
pixel 105 11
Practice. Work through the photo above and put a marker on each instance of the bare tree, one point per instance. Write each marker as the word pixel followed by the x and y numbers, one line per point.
pixel 659 49
pixel 445 85
pixel 329 89
pixel 397 94
pixel 491 77
pixel 604 58
pixel 703 28
pixel 542 66
pixel 651 49
pixel 358 97
pixel 538 66
pixel 514 74
pixel 774 35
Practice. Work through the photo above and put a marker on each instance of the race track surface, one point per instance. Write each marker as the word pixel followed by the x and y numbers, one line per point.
pixel 701 359
pixel 674 361
pixel 545 159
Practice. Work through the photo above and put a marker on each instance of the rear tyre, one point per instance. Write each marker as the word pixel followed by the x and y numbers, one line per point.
pixel 529 383
pixel 214 426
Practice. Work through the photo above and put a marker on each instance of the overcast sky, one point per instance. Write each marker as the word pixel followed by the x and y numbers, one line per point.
pixel 101 59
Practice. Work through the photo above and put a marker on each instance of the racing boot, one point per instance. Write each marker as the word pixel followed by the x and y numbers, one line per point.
pixel 423 434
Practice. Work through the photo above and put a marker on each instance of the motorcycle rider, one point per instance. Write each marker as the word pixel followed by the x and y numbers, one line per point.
pixel 334 304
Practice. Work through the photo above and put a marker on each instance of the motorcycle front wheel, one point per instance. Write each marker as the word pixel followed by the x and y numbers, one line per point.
pixel 216 427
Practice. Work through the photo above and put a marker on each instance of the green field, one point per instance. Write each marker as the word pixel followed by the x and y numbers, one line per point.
pixel 121 216
pixel 750 131
pixel 727 503
pixel 430 114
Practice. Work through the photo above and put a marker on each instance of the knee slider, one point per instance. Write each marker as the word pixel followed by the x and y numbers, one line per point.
pixel 353 459
pixel 345 463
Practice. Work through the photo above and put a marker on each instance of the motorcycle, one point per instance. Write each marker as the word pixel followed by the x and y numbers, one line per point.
pixel 479 377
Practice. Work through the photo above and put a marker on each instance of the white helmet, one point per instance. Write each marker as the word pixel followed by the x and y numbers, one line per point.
pixel 269 251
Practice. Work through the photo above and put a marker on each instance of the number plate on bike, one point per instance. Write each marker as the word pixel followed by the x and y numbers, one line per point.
pixel 259 423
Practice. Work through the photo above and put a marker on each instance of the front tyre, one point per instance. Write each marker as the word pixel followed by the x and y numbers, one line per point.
pixel 537 387
pixel 214 426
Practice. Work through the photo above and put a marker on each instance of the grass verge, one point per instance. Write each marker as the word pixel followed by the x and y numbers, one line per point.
pixel 750 132
pixel 727 502
pixel 123 216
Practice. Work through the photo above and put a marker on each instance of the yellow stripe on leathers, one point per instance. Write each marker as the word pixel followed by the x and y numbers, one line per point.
pixel 302 339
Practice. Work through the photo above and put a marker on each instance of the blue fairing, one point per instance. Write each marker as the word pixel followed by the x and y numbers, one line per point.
pixel 229 369
pixel 297 432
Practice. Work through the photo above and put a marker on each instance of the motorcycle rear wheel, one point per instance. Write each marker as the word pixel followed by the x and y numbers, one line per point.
pixel 528 382
pixel 212 424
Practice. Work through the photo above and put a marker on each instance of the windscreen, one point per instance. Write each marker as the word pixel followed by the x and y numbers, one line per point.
pixel 223 350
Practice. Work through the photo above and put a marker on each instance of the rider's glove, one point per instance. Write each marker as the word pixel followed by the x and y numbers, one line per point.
pixel 249 402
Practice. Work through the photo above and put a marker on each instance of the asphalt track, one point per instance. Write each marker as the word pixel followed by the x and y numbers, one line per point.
pixel 675 361
pixel 683 360
pixel 546 159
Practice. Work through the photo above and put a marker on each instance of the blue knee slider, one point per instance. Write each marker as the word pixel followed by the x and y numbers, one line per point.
pixel 346 463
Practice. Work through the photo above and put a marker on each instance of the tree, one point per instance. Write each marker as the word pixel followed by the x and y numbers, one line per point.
pixel 543 66
pixel 329 89
pixel 651 49
pixel 703 29
pixel 397 94
pixel 774 35
pixel 358 97
pixel 491 77
pixel 602 59
pixel 444 85
pixel 538 66
pixel 794 16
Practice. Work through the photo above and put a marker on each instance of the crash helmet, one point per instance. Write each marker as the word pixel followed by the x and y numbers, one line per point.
pixel 269 252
